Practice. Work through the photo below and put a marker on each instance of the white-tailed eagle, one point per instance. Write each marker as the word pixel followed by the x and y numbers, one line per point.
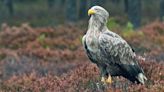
pixel 111 53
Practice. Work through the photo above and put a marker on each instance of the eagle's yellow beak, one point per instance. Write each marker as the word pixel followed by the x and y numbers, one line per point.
pixel 91 12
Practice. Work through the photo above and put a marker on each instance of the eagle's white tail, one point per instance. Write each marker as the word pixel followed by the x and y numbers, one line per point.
pixel 141 78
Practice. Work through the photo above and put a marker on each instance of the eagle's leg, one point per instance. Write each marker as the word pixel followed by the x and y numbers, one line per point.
pixel 103 73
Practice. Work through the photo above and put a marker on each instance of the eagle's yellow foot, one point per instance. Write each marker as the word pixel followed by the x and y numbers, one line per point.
pixel 103 79
pixel 109 80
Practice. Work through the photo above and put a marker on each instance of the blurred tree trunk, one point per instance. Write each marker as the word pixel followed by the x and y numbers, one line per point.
pixel 116 1
pixel 126 4
pixel 50 3
pixel 83 9
pixel 162 10
pixel 71 10
pixel 9 5
pixel 59 3
pixel 97 2
pixel 134 12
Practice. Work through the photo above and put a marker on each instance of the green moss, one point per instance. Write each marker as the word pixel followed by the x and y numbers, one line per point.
pixel 128 31
pixel 41 38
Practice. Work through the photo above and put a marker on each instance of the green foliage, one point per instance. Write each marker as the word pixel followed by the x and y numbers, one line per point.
pixel 72 47
pixel 112 23
pixel 41 40
pixel 129 31
pixel 129 27
pixel 80 38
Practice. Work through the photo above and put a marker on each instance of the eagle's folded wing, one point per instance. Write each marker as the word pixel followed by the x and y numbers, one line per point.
pixel 115 46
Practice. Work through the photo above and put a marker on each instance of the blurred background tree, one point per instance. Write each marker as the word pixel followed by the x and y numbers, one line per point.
pixel 134 12
pixel 50 3
pixel 83 9
pixel 9 6
pixel 71 10
pixel 162 9
pixel 55 12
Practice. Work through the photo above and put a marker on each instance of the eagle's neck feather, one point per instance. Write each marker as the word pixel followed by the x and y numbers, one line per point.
pixel 95 24
pixel 95 28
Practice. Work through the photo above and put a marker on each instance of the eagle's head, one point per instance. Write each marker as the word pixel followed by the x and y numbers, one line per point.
pixel 98 13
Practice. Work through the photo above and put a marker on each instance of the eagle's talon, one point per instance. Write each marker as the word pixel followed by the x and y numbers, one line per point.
pixel 103 79
pixel 109 80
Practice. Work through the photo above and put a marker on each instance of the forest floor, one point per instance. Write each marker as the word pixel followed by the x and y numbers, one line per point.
pixel 53 60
